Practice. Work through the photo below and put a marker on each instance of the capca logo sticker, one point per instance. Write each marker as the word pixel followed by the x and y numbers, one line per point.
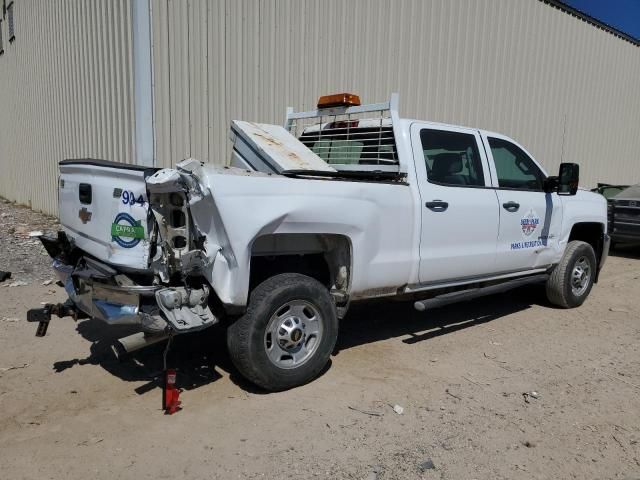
pixel 529 223
pixel 126 231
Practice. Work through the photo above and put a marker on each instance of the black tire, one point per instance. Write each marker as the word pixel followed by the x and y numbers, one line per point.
pixel 560 290
pixel 246 337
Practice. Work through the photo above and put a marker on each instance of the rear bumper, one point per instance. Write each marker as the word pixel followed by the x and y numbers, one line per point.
pixel 111 296
pixel 113 304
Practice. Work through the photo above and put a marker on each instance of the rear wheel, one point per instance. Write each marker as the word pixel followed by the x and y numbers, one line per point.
pixel 571 280
pixel 287 334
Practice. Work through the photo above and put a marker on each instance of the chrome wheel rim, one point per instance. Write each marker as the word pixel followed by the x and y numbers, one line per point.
pixel 293 334
pixel 580 276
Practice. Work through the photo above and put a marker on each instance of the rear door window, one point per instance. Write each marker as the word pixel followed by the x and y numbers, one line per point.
pixel 452 158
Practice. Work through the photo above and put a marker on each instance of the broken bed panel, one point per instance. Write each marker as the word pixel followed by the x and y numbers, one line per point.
pixel 271 149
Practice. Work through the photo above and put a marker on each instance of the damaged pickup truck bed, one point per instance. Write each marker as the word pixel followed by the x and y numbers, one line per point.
pixel 341 204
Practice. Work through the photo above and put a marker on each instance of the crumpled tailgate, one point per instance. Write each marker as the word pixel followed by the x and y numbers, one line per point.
pixel 104 209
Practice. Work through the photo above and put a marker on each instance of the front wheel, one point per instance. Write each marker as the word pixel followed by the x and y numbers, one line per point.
pixel 287 334
pixel 571 280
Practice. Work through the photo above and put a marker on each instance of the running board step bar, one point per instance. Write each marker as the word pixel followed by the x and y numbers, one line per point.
pixel 471 293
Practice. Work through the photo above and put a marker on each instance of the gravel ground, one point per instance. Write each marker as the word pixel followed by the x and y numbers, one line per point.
pixel 499 388
pixel 20 254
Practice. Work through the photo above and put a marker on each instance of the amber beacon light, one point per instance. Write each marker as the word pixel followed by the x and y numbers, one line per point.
pixel 339 100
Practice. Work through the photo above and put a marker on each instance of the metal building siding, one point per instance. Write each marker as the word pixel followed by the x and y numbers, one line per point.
pixel 560 86
pixel 67 91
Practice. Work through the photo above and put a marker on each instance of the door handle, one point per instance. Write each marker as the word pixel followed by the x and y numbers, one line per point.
pixel 511 206
pixel 437 205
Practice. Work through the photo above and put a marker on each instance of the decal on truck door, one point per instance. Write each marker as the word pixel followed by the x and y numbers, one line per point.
pixel 126 231
pixel 529 224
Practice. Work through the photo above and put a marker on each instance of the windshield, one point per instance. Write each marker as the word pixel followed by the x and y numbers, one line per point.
pixel 633 192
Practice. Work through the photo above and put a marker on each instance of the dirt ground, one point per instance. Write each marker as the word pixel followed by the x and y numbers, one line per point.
pixel 69 410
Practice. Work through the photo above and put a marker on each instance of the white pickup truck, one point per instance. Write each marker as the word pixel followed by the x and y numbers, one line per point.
pixel 342 204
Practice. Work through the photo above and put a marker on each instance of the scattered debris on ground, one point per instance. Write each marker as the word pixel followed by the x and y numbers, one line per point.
pixel 14 367
pixel 618 310
pixel 427 465
pixel 366 412
pixel 22 254
pixel 452 394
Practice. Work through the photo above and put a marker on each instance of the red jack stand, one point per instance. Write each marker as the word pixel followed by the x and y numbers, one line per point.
pixel 170 394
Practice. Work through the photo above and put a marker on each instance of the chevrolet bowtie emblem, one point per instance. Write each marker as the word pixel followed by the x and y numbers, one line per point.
pixel 84 215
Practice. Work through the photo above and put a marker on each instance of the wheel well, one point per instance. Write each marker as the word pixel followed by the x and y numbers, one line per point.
pixel 266 266
pixel 327 258
pixel 590 232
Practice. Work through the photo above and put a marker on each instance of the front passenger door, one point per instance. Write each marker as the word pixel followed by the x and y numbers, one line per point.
pixel 530 219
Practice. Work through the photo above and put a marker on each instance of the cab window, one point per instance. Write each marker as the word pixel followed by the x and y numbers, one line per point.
pixel 452 158
pixel 514 168
pixel 342 143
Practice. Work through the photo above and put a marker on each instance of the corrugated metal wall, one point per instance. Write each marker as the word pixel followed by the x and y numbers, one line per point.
pixel 562 87
pixel 65 91
pixel 519 67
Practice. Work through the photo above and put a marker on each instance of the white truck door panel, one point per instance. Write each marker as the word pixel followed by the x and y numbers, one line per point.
pixel 459 208
pixel 530 219
pixel 529 227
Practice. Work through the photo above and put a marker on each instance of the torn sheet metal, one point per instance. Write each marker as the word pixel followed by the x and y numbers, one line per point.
pixel 271 149
pixel 165 180
pixel 185 246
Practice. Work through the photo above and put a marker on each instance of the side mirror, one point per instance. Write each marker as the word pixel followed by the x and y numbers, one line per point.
pixel 568 178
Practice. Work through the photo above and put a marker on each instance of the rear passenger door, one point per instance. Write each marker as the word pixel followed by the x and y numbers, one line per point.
pixel 458 204
pixel 530 219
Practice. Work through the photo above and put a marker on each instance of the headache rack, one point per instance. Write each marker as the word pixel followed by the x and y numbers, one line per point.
pixel 350 138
